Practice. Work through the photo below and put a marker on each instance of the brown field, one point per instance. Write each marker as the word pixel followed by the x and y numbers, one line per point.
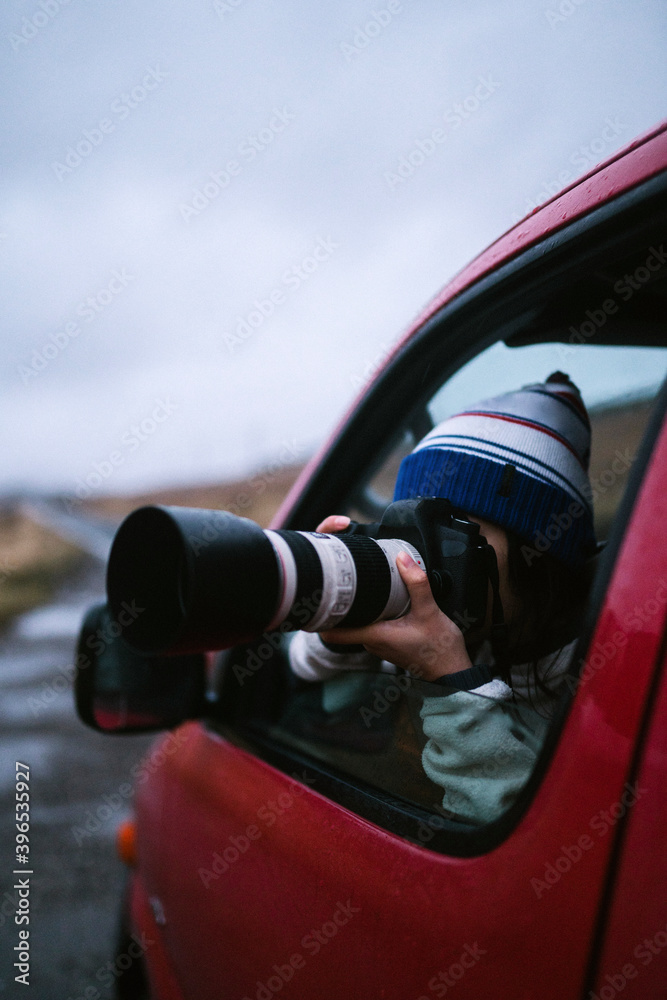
pixel 257 497
pixel 617 433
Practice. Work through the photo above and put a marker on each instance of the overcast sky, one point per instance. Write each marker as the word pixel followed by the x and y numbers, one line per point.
pixel 203 226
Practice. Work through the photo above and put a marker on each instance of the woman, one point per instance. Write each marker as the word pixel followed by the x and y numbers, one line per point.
pixel 518 465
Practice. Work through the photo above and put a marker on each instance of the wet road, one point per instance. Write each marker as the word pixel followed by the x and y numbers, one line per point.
pixel 74 772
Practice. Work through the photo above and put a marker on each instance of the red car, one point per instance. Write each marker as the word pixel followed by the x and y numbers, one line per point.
pixel 288 842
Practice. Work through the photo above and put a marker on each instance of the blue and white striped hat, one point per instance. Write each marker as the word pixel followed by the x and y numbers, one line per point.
pixel 519 460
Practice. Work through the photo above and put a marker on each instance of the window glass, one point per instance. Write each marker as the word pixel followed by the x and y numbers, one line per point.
pixel 618 385
pixel 603 374
pixel 374 495
pixel 457 753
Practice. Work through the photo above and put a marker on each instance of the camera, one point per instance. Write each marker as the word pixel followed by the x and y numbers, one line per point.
pixel 206 579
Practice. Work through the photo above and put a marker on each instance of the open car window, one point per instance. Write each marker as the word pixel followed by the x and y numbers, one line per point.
pixel 398 750
pixel 461 755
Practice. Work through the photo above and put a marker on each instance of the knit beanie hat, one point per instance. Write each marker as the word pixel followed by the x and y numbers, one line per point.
pixel 519 460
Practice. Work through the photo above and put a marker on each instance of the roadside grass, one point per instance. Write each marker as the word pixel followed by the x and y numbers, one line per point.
pixel 32 561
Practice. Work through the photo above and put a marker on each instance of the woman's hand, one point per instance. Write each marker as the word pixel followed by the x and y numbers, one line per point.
pixel 424 641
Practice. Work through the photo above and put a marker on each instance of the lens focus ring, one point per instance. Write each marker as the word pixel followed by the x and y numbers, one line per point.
pixel 373 581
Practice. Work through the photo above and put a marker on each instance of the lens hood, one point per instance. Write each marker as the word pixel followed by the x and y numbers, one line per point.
pixel 185 580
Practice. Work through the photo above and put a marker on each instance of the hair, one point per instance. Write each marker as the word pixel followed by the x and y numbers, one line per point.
pixel 552 596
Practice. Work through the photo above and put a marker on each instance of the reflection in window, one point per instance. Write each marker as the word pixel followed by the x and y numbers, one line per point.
pixel 462 754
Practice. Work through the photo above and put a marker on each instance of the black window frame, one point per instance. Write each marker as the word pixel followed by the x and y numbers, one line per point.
pixel 459 331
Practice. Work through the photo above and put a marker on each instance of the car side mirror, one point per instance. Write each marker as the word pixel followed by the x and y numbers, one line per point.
pixel 117 690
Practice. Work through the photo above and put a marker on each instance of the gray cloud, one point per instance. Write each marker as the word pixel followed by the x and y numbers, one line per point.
pixel 151 104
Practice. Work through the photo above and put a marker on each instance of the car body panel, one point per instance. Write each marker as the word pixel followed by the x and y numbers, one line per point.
pixel 634 958
pixel 636 163
pixel 161 976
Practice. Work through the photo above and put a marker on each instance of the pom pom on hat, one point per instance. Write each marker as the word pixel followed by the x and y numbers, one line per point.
pixel 519 460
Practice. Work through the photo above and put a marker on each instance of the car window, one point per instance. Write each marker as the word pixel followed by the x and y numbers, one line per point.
pixel 385 743
pixel 463 756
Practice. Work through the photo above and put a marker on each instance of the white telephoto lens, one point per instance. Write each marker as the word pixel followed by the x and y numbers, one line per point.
pixel 339 580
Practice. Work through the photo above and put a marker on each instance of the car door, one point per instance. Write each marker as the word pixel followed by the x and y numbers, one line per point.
pixel 307 855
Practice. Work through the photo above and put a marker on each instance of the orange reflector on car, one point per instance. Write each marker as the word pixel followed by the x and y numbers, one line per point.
pixel 126 842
